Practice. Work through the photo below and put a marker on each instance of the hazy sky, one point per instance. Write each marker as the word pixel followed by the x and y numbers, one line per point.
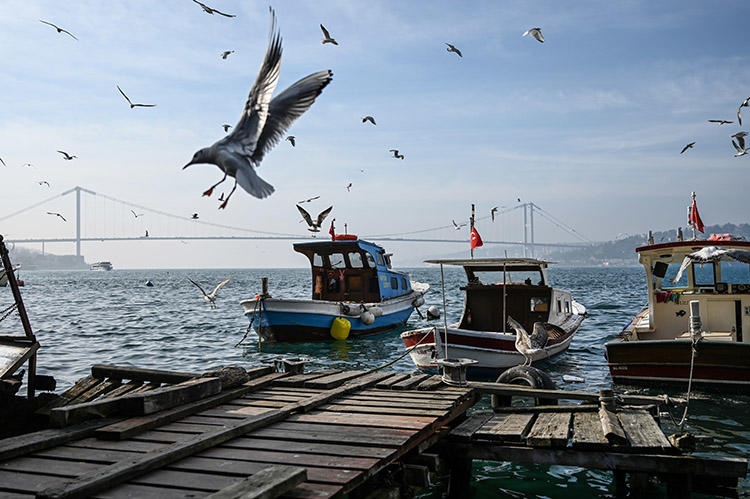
pixel 588 125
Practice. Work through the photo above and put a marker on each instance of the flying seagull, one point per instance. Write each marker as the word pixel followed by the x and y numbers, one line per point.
pixel 146 233
pixel 226 53
pixel 689 146
pixel 211 297
pixel 349 187
pixel 212 11
pixel 43 182
pixel 136 215
pixel 226 127
pixel 396 154
pixel 721 122
pixel 518 199
pixel 3 162
pixel 741 149
pixel 290 139
pixel 25 164
pixel 738 134
pixel 457 226
pixel 536 33
pixel 745 103
pixel 194 216
pixel 309 200
pixel 262 124
pixel 529 345
pixel 327 35
pixel 314 224
pixel 492 213
pixel 131 103
pixel 66 156
pixel 57 215
pixel 221 197
pixel 451 48
pixel 370 119
pixel 741 140
pixel 59 29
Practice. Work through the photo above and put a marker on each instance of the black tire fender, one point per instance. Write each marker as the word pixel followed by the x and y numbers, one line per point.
pixel 526 376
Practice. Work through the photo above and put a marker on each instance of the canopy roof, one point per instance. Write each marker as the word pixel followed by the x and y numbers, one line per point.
pixel 494 263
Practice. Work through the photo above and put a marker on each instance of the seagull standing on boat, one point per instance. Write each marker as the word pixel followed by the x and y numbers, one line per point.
pixel 453 49
pixel 290 139
pixel 536 33
pixel 745 103
pixel 212 11
pixel 211 297
pixel 262 124
pixel 527 345
pixel 66 156
pixel 368 118
pixel 59 29
pixel 314 224
pixel 689 146
pixel 327 36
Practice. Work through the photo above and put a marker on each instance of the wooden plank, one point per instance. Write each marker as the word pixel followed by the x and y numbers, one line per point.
pixel 318 490
pixel 383 421
pixel 161 399
pixel 465 431
pixel 126 445
pixel 90 483
pixel 297 459
pixel 123 389
pixel 32 442
pixel 406 411
pixel 101 456
pixel 71 393
pixel 415 395
pixel 60 417
pixel 506 427
pixel 333 380
pixel 265 484
pixel 309 447
pixel 138 374
pixel 234 411
pixel 134 426
pixel 13 354
pixel 133 491
pixel 550 430
pixel 30 483
pixel 611 427
pixel 401 401
pixel 535 409
pixel 587 432
pixel 194 479
pixel 146 387
pixel 431 383
pixel 48 467
pixel 410 382
pixel 300 379
pixel 643 433
pixel 96 391
pixel 390 381
pixel 379 437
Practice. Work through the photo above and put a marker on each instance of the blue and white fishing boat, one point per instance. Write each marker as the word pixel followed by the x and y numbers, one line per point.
pixel 354 292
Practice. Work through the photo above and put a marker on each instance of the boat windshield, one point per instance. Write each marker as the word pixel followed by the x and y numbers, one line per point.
pixel 735 273
pixel 511 277
pixel 672 269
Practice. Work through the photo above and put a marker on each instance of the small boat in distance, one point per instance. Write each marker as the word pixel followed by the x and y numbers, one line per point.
pixel 497 290
pixel 354 292
pixel 102 266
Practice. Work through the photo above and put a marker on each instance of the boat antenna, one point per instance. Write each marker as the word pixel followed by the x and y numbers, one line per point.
pixel 471 227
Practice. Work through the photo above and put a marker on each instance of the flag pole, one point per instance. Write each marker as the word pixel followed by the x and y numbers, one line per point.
pixel 471 228
pixel 692 222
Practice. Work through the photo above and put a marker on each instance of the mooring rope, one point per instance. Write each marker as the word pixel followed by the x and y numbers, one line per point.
pixel 693 352
pixel 407 352
pixel 250 326
pixel 7 311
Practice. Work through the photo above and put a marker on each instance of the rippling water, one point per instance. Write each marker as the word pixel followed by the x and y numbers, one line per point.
pixel 85 317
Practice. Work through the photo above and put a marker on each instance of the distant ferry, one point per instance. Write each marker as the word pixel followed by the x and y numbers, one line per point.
pixel 102 266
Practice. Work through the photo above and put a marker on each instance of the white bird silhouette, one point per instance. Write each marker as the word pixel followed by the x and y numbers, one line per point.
pixel 536 33
pixel 457 226
pixel 527 345
pixel 745 103
pixel 314 225
pixel 211 297
pixel 136 215
pixel 741 149
pixel 57 215
pixel 66 156
pixel 327 36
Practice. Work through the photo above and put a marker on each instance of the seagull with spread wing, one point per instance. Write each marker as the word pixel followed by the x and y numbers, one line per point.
pixel 131 102
pixel 314 225
pixel 226 54
pixel 396 154
pixel 745 103
pixel 44 182
pixel 226 127
pixel 492 212
pixel 536 33
pixel 721 122
pixel 212 11
pixel 57 215
pixel 66 156
pixel 291 140
pixel 309 200
pixel 59 29
pixel 457 226
pixel 365 119
pixel 529 345
pixel 327 36
pixel 211 297
pixel 262 124
pixel 689 146
pixel 453 49
pixel 740 146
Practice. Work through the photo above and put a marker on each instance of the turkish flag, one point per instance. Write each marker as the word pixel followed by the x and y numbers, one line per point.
pixel 332 231
pixel 695 218
pixel 476 239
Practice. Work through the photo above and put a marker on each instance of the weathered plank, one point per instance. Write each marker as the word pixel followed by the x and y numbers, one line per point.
pixel 161 399
pixel 97 391
pixel 535 409
pixel 405 411
pixel 396 400
pixel 195 479
pixel 466 430
pixel 377 420
pixel 28 482
pixel 133 491
pixel 643 433
pixel 298 380
pixel 611 427
pixel 60 417
pixel 550 430
pixel 123 389
pixel 507 427
pixel 265 484
pixel 411 382
pixel 32 442
pixel 333 380
pixel 431 383
pixel 309 447
pixel 380 437
pixel 13 354
pixel 298 459
pixel 126 445
pixel 146 387
pixel 48 467
pixel 587 432
pixel 71 393
pixel 307 490
pixel 138 374
pixel 101 456
pixel 391 380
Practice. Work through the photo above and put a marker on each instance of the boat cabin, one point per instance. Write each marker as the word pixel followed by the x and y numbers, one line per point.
pixel 721 285
pixel 352 270
pixel 523 281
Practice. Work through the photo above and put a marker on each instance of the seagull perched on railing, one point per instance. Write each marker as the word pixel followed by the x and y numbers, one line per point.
pixel 529 345
pixel 211 297
pixel 262 124
pixel 314 224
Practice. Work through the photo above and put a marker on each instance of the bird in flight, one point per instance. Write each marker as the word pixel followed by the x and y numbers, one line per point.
pixel 452 48
pixel 314 225
pixel 136 215
pixel 43 182
pixel 3 162
pixel 226 54
pixel 518 199
pixel 492 213
pixel 370 119
pixel 25 164
pixel 59 29
pixel 349 187
pixel 212 11
pixel 327 36
pixel 741 149
pixel 396 154
pixel 457 226
pixel 131 103
pixel 721 122
pixel 745 103
pixel 146 233
pixel 262 124
pixel 194 216
pixel 221 197
pixel 226 127
pixel 57 215
pixel 290 139
pixel 309 200
pixel 738 134
pixel 689 146
pixel 211 297
pixel 66 156
pixel 536 33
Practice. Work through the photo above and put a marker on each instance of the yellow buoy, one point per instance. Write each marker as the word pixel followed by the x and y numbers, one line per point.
pixel 340 328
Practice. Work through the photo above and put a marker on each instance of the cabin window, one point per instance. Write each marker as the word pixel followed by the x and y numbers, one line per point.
pixel 317 260
pixel 404 285
pixel 672 269
pixel 370 260
pixel 337 260
pixel 379 256
pixel 355 260
pixel 735 273
pixel 567 307
pixel 394 282
pixel 703 274
pixel 559 306
pixel 388 260
pixel 539 304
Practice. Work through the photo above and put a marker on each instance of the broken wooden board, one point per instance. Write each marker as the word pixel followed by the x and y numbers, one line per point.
pixel 550 430
pixel 465 431
pixel 611 427
pixel 643 433
pixel 587 432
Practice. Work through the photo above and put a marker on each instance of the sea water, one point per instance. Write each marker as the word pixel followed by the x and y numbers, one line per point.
pixel 83 318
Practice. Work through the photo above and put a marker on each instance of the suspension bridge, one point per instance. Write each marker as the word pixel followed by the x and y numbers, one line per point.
pixel 115 219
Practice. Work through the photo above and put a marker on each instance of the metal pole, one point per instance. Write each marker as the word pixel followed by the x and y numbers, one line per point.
pixel 471 229
pixel 78 221
pixel 690 216
pixel 504 295
pixel 445 315
pixel 525 230
pixel 531 229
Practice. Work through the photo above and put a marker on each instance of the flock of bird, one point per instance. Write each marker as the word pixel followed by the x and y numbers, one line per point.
pixel 738 138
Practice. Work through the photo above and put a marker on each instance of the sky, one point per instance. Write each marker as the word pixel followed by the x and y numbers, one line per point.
pixel 587 125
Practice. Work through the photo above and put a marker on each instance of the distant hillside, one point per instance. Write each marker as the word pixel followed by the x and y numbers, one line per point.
pixel 30 259
pixel 622 251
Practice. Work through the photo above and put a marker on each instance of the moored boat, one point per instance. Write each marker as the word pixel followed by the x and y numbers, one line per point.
pixel 354 292
pixel 499 289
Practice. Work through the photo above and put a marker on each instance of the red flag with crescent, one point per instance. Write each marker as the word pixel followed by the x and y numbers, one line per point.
pixel 695 217
pixel 332 231
pixel 476 239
